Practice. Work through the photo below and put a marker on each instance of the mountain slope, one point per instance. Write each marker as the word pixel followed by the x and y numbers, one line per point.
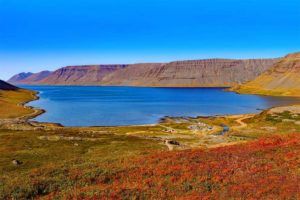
pixel 28 78
pixel 37 77
pixel 80 75
pixel 7 86
pixel 18 78
pixel 282 79
pixel 193 73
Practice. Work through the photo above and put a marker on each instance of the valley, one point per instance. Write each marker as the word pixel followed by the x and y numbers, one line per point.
pixel 45 160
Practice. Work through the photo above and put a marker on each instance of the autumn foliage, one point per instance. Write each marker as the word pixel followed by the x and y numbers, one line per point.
pixel 265 169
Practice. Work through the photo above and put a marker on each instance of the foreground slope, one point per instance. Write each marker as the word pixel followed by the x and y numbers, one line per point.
pixel 263 169
pixel 12 101
pixel 6 86
pixel 282 79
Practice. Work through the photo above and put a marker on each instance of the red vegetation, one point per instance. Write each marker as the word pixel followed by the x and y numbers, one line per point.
pixel 265 169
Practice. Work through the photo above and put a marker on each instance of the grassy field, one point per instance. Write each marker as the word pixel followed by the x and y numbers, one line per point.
pixel 11 103
pixel 263 169
pixel 39 160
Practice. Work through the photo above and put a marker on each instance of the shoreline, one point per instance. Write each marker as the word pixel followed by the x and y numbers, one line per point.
pixel 38 111
pixel 176 133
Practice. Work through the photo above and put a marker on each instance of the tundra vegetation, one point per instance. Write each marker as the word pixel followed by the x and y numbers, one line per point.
pixel 225 157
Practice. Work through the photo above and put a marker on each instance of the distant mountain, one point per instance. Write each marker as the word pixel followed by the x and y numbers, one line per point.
pixel 193 73
pixel 80 75
pixel 19 77
pixel 281 79
pixel 6 86
pixel 29 78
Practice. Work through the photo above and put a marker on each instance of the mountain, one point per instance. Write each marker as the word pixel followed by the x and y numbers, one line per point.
pixel 80 75
pixel 28 78
pixel 282 79
pixel 7 86
pixel 191 73
pixel 19 77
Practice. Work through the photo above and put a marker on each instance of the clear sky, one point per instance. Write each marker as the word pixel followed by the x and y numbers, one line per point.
pixel 47 34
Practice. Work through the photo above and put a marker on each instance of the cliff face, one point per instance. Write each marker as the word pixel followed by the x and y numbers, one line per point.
pixel 195 73
pixel 281 79
pixel 80 75
pixel 7 86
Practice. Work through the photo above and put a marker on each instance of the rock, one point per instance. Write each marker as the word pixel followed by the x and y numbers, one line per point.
pixel 269 128
pixel 16 162
pixel 173 142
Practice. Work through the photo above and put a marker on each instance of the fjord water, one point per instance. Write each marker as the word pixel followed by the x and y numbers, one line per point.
pixel 115 106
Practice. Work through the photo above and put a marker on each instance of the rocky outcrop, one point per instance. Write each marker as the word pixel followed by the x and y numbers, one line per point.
pixel 7 86
pixel 282 79
pixel 193 73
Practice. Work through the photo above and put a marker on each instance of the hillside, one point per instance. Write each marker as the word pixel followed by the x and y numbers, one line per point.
pixel 18 78
pixel 282 79
pixel 11 100
pixel 194 73
pixel 28 78
pixel 80 75
pixel 6 86
pixel 235 172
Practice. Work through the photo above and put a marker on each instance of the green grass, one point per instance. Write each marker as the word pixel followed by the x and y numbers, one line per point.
pixel 10 103
pixel 48 166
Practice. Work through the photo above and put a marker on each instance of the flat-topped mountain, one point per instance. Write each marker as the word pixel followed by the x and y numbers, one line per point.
pixel 192 73
pixel 281 79
pixel 80 75
pixel 6 86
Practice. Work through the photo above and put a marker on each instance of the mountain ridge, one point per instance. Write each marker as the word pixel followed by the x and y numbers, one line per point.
pixel 188 73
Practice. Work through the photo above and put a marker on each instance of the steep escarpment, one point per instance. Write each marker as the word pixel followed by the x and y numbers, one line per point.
pixel 282 79
pixel 193 73
pixel 79 75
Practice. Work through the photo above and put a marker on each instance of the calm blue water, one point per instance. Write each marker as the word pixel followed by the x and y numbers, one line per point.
pixel 108 106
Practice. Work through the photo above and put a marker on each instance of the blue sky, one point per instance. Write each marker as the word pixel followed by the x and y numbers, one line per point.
pixel 39 34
